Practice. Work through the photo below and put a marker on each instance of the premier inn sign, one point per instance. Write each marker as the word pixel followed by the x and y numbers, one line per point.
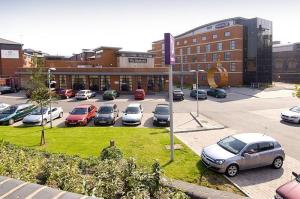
pixel 169 49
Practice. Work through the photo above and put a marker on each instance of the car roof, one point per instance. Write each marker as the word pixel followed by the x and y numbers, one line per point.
pixel 177 90
pixel 83 106
pixel 107 105
pixel 249 138
pixel 134 105
pixel 83 90
pixel 159 105
pixel 139 90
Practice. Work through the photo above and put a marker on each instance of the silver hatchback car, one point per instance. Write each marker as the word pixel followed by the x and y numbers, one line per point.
pixel 243 151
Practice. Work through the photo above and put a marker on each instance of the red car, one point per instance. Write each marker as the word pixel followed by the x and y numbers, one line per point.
pixel 139 94
pixel 81 115
pixel 290 190
pixel 66 93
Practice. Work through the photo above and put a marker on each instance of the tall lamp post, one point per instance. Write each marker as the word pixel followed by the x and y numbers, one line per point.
pixel 49 86
pixel 170 61
pixel 197 83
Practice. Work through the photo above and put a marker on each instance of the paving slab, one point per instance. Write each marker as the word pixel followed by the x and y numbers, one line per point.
pixel 16 189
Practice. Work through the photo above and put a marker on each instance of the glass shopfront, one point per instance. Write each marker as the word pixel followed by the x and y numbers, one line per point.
pixel 94 83
pixel 63 81
pixel 125 83
pixel 78 82
pixel 105 83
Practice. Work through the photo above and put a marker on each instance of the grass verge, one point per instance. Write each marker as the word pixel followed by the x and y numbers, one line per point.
pixel 144 144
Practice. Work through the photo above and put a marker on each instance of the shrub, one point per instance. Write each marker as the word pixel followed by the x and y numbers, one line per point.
pixel 108 178
pixel 111 152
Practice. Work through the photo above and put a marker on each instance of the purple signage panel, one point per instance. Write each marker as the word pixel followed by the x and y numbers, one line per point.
pixel 169 49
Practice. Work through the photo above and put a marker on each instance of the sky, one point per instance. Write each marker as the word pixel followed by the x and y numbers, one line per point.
pixel 64 27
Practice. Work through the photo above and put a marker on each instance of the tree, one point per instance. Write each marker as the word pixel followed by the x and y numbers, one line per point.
pixel 41 97
pixel 297 91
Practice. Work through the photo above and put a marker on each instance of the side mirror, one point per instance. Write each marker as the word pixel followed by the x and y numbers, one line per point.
pixel 295 174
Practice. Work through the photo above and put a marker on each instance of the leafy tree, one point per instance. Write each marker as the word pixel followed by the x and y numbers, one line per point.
pixel 41 97
pixel 297 91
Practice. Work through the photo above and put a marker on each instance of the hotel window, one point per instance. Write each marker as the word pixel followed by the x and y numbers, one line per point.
pixel 214 57
pixel 203 77
pixel 232 67
pixel 207 47
pixel 194 59
pixel 232 45
pixel 185 59
pixel 185 42
pixel 208 66
pixel 227 34
pixel 177 60
pixel 163 46
pixel 63 81
pixel 204 38
pixel 177 43
pixel 194 40
pixel 188 50
pixel 204 58
pixel 227 56
pixel 198 49
pixel 215 36
pixel 180 51
pixel 219 46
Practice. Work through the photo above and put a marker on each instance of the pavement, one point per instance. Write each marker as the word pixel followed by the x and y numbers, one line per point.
pixel 259 183
pixel 16 189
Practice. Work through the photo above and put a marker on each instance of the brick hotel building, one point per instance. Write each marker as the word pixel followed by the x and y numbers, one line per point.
pixel 104 68
pixel 244 47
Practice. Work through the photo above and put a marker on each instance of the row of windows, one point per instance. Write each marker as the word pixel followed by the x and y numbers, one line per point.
pixel 214 58
pixel 232 67
pixel 219 47
pixel 203 38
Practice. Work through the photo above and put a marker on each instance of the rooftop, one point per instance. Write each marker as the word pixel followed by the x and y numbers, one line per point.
pixel 5 41
pixel 205 25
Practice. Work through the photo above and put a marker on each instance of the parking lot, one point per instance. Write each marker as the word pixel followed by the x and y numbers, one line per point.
pixel 244 110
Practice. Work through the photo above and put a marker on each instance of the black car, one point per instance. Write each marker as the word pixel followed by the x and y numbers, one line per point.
pixel 178 95
pixel 217 92
pixel 107 114
pixel 6 89
pixel 201 94
pixel 161 115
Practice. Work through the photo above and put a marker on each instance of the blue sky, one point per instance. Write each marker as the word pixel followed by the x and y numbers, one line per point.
pixel 66 26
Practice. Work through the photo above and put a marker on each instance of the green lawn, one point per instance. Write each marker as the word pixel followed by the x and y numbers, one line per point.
pixel 144 144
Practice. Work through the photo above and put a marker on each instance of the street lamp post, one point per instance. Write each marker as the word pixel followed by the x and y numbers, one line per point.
pixel 197 83
pixel 49 86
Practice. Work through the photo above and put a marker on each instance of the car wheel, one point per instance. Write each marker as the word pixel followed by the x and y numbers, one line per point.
pixel 61 115
pixel 0 93
pixel 277 163
pixel 11 121
pixel 232 170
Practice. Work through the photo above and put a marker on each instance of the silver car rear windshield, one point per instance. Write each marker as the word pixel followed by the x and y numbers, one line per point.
pixel 132 110
pixel 232 144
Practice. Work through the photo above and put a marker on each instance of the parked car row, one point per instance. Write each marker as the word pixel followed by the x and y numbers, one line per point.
pixel 6 89
pixel 29 114
pixel 139 94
